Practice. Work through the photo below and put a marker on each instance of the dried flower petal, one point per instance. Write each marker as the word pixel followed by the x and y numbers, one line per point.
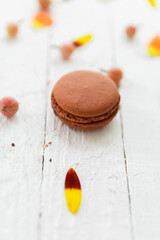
pixel 153 47
pixel 130 31
pixel 42 19
pixel 73 191
pixel 82 40
pixel 45 4
pixel 12 30
pixel 115 74
pixel 67 50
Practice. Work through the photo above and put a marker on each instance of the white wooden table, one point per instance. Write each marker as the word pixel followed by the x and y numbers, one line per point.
pixel 118 166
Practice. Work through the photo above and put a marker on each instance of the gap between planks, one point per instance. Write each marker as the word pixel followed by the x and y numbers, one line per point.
pixel 127 178
pixel 114 63
pixel 48 66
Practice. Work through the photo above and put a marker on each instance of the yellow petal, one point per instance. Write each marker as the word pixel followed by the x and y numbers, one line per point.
pixel 37 24
pixel 152 51
pixel 73 198
pixel 82 40
pixel 153 3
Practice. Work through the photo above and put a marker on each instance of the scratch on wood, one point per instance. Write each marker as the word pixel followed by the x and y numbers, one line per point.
pixel 44 142
pixel 114 62
pixel 127 178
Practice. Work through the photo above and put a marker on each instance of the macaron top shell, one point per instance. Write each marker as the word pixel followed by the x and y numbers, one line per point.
pixel 86 93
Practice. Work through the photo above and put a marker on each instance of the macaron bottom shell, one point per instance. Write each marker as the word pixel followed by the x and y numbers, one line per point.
pixel 88 126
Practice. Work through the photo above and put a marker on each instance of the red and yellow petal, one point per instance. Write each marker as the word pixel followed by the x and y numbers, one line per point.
pixel 153 47
pixel 82 40
pixel 42 19
pixel 73 191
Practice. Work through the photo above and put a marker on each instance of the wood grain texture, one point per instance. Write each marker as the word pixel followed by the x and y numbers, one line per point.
pixel 118 166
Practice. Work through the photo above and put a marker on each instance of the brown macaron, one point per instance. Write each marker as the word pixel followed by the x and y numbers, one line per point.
pixel 85 99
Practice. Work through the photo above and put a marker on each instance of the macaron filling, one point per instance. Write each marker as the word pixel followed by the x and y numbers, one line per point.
pixel 83 120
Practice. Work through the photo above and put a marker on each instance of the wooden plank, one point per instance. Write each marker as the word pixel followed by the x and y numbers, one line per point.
pixel 140 112
pixel 23 76
pixel 97 156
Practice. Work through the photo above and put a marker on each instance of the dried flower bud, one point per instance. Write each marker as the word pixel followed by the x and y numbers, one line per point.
pixel 115 74
pixel 12 30
pixel 8 106
pixel 131 31
pixel 67 50
pixel 44 4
